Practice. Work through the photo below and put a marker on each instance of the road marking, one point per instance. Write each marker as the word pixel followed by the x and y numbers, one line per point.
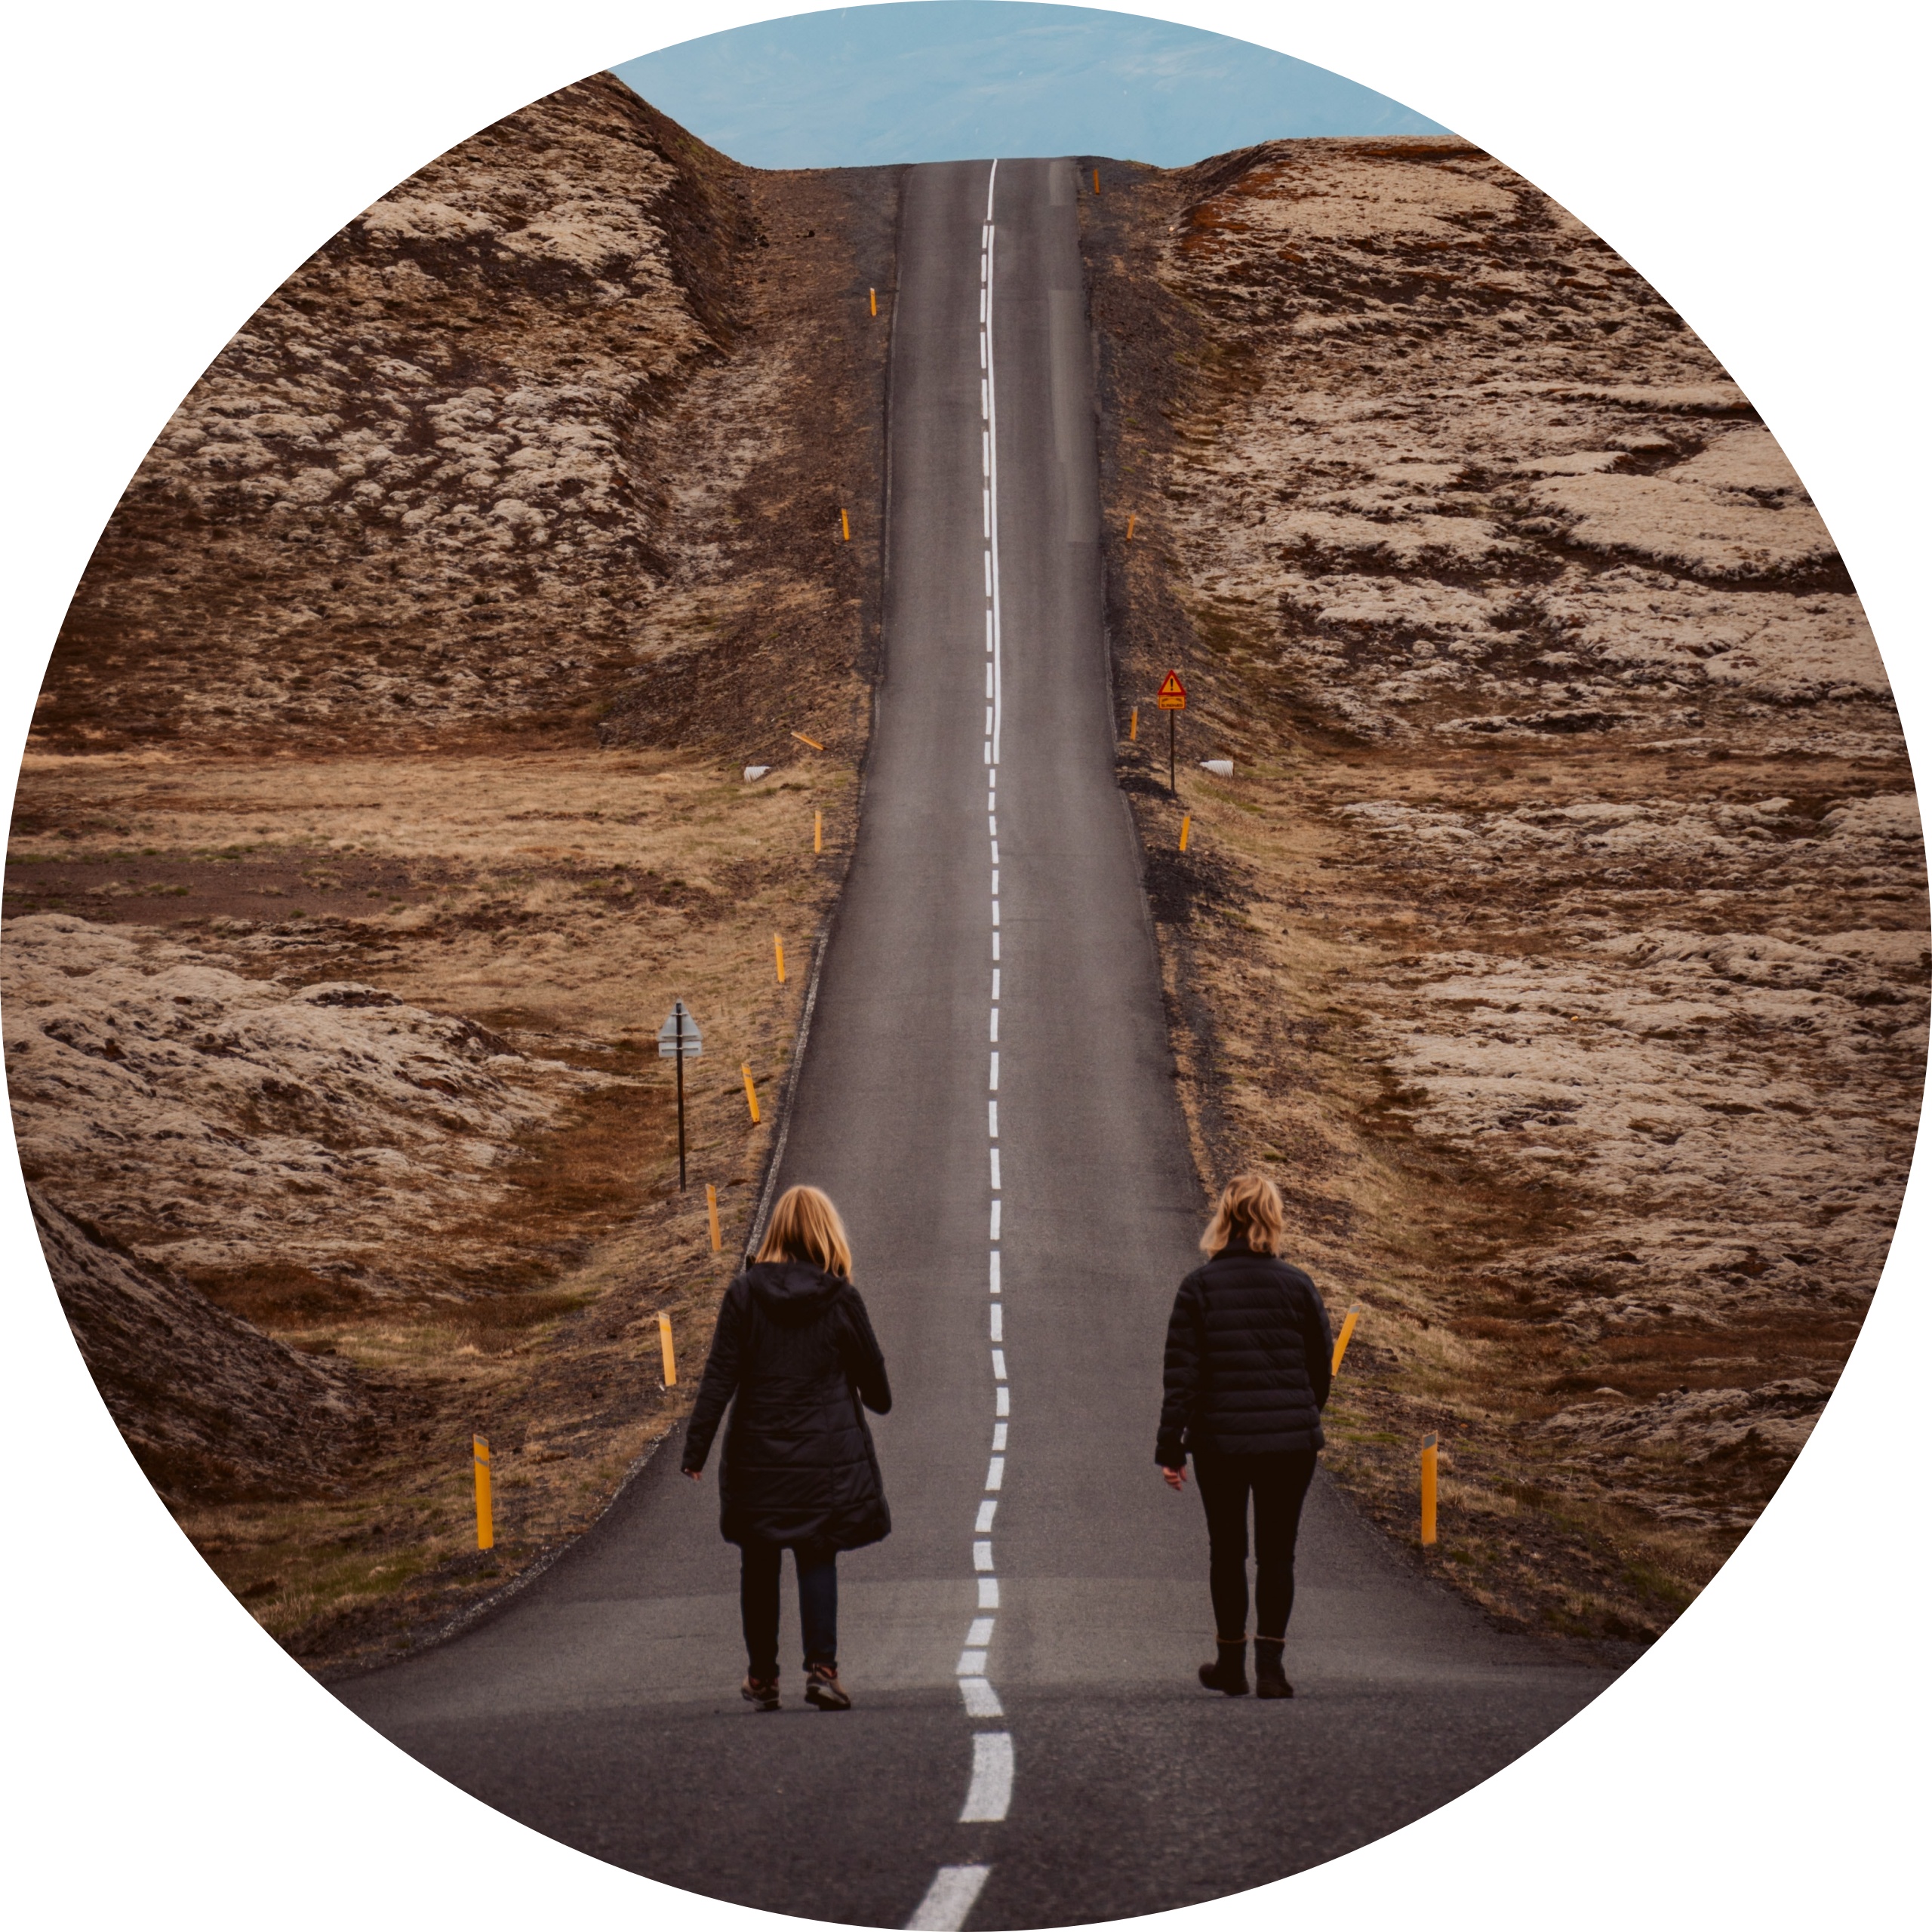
pixel 996 950
pixel 989 723
pixel 982 1556
pixel 992 1272
pixel 990 1593
pixel 999 1440
pixel 972 1663
pixel 993 1151
pixel 953 1892
pixel 993 1107
pixel 995 1221
pixel 993 1023
pixel 992 463
pixel 995 885
pixel 1000 1406
pixel 981 1700
pixel 995 1471
pixel 983 396
pixel 995 983
pixel 999 1357
pixel 993 844
pixel 990 1794
pixel 988 1505
pixel 979 1633
pixel 997 1323
pixel 995 919
pixel 992 1076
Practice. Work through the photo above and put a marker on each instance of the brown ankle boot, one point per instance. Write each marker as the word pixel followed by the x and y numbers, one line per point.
pixel 1270 1680
pixel 1228 1672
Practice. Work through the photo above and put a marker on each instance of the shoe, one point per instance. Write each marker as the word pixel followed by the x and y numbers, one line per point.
pixel 823 1690
pixel 761 1693
pixel 1228 1672
pixel 1270 1681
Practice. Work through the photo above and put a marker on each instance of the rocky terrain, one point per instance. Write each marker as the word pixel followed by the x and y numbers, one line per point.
pixel 1560 940
pixel 386 785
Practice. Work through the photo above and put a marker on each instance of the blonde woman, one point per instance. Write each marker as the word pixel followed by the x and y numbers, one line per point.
pixel 794 1347
pixel 1247 1369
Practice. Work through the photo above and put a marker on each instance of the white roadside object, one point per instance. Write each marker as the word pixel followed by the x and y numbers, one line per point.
pixel 755 772
pixel 1222 767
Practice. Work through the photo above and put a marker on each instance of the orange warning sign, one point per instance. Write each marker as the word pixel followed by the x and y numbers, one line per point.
pixel 1173 695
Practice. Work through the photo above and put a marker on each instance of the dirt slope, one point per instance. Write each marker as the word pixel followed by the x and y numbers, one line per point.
pixel 1560 940
pixel 212 1407
pixel 387 784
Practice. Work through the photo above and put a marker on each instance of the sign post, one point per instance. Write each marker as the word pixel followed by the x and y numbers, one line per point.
pixel 679 1039
pixel 1171 697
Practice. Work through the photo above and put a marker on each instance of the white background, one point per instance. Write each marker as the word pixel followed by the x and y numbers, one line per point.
pixel 170 164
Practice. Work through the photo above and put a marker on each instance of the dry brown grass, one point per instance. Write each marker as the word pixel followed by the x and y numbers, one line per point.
pixel 563 899
pixel 1560 945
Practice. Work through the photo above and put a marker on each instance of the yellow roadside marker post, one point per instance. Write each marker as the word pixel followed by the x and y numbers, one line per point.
pixel 1096 180
pixel 874 294
pixel 670 1353
pixel 845 526
pixel 751 1095
pixel 1133 726
pixel 486 1524
pixel 818 832
pixel 711 1209
pixel 804 741
pixel 778 947
pixel 1186 820
pixel 1428 1492
pixel 1131 519
pixel 1342 1341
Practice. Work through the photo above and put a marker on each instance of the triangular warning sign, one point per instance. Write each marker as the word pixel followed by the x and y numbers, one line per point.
pixel 1173 694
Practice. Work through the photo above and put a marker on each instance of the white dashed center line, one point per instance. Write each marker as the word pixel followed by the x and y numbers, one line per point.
pixel 991 1791
pixel 956 1889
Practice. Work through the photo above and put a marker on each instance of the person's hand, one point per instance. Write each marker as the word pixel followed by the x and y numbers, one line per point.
pixel 1177 1479
pixel 696 1475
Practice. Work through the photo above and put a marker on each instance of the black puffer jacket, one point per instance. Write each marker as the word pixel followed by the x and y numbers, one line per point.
pixel 1248 1358
pixel 794 1345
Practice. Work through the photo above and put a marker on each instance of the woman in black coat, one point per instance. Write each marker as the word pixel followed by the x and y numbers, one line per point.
pixel 796 1347
pixel 1248 1362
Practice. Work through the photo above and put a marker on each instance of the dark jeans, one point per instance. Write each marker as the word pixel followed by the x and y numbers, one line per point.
pixel 1280 1485
pixel 818 1604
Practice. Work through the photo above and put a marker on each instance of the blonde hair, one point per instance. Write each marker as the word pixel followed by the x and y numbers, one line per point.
pixel 1250 1207
pixel 805 1226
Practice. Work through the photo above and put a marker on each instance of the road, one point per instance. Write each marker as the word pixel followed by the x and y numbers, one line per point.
pixel 988 1092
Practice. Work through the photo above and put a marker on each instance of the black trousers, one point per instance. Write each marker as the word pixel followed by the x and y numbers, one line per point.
pixel 818 1604
pixel 1279 1485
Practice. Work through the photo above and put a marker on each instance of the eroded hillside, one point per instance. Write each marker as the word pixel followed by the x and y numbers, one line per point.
pixel 1561 941
pixel 387 785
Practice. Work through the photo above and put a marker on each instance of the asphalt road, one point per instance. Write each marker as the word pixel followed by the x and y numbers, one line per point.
pixel 1029 1746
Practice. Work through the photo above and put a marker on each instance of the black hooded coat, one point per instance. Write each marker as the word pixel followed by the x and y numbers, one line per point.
pixel 795 1346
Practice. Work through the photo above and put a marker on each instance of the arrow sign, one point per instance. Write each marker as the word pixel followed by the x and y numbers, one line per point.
pixel 1173 694
pixel 679 1034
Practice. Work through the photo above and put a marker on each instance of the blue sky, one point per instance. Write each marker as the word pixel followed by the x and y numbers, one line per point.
pixel 950 80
